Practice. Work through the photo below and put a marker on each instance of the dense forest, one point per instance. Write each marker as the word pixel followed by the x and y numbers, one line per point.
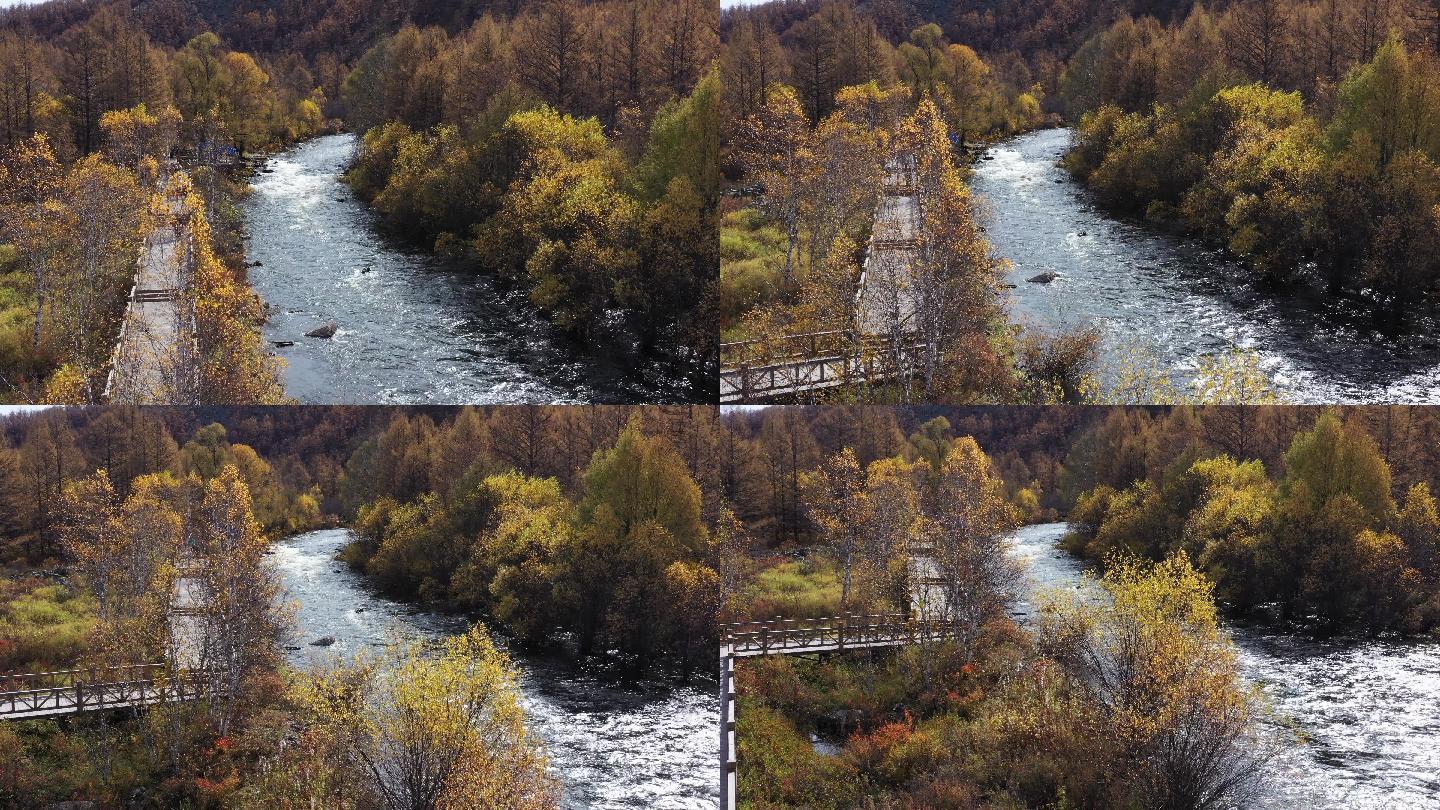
pixel 572 148
pixel 819 107
pixel 1323 536
pixel 1298 515
pixel 1301 135
pixel 823 103
pixel 150 550
pixel 1327 518
pixel 1298 136
pixel 89 120
pixel 567 147
pixel 624 535
pixel 997 714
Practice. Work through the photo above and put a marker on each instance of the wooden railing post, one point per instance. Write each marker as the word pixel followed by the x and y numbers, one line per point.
pixel 729 762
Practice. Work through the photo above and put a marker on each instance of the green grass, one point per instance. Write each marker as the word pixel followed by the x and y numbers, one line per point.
pixel 45 627
pixel 794 590
pixel 752 260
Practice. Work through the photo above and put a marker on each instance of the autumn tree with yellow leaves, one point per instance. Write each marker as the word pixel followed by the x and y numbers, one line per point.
pixel 413 729
pixel 1167 683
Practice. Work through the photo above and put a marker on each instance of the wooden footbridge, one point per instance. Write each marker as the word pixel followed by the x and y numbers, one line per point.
pixel 804 637
pixel 796 365
pixel 881 346
pixel 82 690
pixel 39 695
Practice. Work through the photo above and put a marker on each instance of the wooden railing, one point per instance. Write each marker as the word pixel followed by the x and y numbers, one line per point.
pixel 833 633
pixel 728 760
pixel 75 691
pixel 811 344
pixel 783 373
pixel 799 637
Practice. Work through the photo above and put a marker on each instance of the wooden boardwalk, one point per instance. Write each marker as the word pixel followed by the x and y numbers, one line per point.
pixel 39 695
pixel 885 298
pixel 884 316
pixel 154 360
pixel 803 637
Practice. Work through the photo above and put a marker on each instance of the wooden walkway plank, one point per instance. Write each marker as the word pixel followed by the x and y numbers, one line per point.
pixel 152 359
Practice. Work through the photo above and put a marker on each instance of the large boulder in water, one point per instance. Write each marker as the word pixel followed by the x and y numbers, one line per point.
pixel 1044 278
pixel 325 641
pixel 326 331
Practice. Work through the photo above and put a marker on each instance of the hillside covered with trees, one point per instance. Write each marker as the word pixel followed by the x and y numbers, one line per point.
pixel 153 552
pixel 571 149
pixel 89 120
pixel 567 148
pixel 1300 135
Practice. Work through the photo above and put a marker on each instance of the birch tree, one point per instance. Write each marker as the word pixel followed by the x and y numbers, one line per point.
pixel 967 518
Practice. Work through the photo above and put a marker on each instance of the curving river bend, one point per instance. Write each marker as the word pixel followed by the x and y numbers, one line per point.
pixel 412 331
pixel 612 748
pixel 1366 712
pixel 1178 299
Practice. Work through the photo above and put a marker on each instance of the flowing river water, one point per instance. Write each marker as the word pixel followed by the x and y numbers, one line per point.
pixel 1178 300
pixel 411 330
pixel 1359 719
pixel 649 746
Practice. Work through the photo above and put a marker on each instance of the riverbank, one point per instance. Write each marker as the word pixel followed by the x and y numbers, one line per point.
pixel 410 329
pixel 1175 301
pixel 613 747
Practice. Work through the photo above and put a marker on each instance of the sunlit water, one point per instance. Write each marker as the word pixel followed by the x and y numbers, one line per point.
pixel 1361 717
pixel 411 330
pixel 652 746
pixel 1177 299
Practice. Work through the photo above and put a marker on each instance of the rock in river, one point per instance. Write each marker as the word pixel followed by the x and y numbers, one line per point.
pixel 324 641
pixel 326 331
pixel 1044 278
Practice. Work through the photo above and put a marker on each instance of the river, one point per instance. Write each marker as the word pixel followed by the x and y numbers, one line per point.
pixel 1178 300
pixel 412 331
pixel 1361 718
pixel 652 746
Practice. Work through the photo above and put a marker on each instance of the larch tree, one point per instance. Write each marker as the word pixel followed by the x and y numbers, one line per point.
pixel 1259 31
pixel 686 32
pixel 24 76
pixel 12 495
pixel 813 63
pixel 753 60
pixel 550 50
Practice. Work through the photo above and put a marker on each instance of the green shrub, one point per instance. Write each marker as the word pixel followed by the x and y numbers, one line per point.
pixel 44 628
pixel 794 590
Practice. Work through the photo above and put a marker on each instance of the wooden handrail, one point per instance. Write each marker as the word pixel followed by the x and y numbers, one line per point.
pixel 827 634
